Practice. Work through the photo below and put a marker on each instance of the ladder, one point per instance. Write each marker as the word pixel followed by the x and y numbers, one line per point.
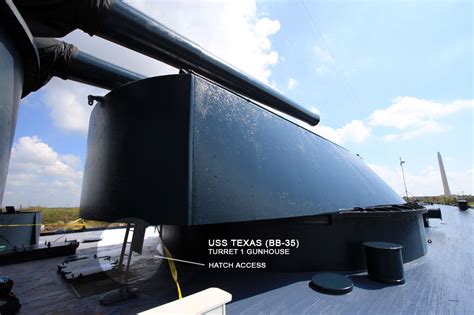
pixel 129 231
pixel 125 292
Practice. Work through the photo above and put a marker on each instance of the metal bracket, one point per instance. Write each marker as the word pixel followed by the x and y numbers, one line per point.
pixel 92 98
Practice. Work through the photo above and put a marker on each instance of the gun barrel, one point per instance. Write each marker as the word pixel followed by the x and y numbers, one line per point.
pixel 67 62
pixel 91 70
pixel 133 29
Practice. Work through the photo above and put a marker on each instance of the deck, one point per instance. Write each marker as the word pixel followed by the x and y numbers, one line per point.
pixel 442 282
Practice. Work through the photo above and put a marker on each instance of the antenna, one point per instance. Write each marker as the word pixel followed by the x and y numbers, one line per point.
pixel 404 181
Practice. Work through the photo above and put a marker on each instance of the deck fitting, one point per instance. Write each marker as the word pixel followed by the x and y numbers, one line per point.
pixel 331 283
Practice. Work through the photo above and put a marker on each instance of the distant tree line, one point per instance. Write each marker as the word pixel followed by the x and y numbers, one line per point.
pixel 443 200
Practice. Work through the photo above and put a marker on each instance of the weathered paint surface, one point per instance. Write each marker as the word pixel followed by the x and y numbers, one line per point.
pixel 250 164
pixel 206 155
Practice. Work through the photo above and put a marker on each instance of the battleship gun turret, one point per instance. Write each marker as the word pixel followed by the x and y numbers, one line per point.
pixel 198 153
pixel 115 21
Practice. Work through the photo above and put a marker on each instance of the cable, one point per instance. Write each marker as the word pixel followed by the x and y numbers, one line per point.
pixel 173 270
pixel 315 29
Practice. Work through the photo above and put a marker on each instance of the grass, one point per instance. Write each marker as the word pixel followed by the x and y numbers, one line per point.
pixel 443 200
pixel 66 219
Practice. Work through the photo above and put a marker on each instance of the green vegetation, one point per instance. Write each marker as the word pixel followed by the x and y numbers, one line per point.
pixel 68 218
pixel 65 219
pixel 443 200
pixel 58 215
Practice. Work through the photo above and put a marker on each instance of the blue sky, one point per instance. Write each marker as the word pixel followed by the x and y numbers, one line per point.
pixel 390 79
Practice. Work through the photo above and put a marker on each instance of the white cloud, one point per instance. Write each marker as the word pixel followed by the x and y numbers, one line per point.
pixel 406 112
pixel 38 175
pixel 406 118
pixel 324 59
pixel 71 159
pixel 425 182
pixel 354 131
pixel 315 110
pixel 228 29
pixel 413 117
pixel 427 128
pixel 68 106
pixel 292 83
pixel 231 30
